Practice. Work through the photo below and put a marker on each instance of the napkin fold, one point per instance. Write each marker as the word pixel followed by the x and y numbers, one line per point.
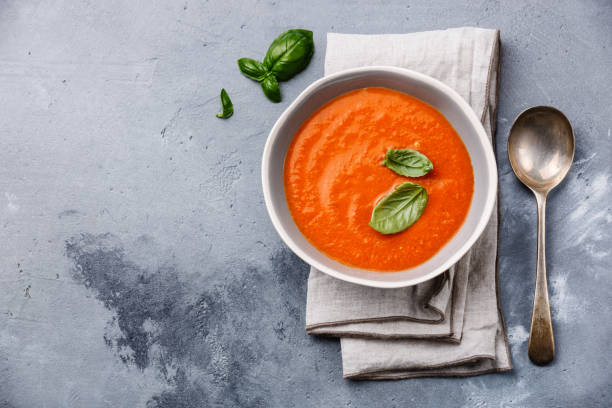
pixel 451 325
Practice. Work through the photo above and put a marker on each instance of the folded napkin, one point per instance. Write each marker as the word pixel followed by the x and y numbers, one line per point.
pixel 451 325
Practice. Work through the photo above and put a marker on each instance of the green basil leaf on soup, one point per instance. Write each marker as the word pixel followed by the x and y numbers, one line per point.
pixel 227 106
pixel 289 53
pixel 252 69
pixel 400 209
pixel 270 87
pixel 406 162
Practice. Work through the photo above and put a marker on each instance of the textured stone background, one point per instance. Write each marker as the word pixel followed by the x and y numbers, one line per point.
pixel 138 266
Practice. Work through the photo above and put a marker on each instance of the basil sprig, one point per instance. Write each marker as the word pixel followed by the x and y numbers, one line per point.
pixel 407 162
pixel 403 206
pixel 226 104
pixel 400 209
pixel 287 56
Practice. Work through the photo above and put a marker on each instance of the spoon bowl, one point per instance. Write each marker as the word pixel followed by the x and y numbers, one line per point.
pixel 541 151
pixel 541 147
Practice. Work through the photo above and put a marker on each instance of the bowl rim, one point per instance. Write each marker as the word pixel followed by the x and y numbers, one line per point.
pixel 413 75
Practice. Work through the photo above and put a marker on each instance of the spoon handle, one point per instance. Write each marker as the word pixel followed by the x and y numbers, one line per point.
pixel 541 339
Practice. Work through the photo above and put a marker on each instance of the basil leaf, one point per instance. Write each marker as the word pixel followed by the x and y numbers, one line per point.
pixel 252 69
pixel 289 53
pixel 226 103
pixel 270 88
pixel 400 209
pixel 406 162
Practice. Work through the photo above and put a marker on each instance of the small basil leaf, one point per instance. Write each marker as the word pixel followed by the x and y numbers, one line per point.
pixel 406 162
pixel 271 89
pixel 226 103
pixel 252 69
pixel 400 209
pixel 289 53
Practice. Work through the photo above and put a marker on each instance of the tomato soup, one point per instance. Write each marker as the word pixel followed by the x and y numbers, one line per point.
pixel 333 178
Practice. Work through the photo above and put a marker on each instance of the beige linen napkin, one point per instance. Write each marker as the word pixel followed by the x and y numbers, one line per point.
pixel 451 325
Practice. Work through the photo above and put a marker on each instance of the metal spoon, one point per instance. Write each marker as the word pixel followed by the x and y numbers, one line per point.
pixel 541 151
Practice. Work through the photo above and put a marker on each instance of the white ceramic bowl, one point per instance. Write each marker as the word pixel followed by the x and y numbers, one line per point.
pixel 423 87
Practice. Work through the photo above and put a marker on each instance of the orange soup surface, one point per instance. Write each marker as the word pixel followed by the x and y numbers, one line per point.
pixel 334 178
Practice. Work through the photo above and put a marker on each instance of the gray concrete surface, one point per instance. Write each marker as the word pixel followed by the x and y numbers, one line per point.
pixel 138 266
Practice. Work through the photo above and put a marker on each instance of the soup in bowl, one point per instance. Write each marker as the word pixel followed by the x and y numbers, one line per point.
pixel 379 176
